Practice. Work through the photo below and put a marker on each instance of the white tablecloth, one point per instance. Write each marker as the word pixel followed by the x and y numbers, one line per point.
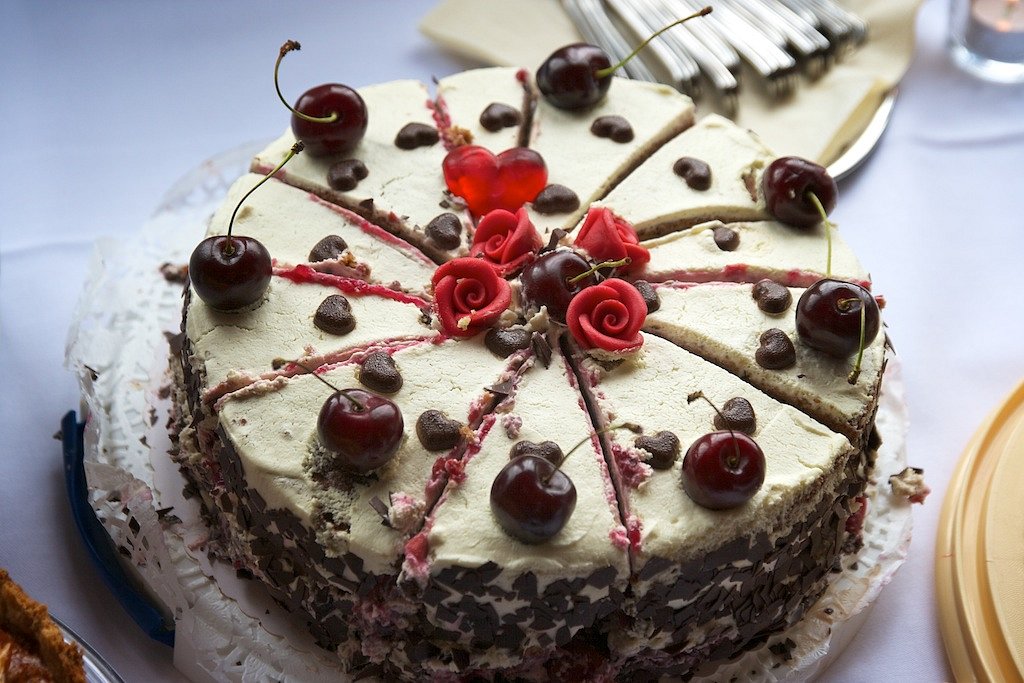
pixel 105 105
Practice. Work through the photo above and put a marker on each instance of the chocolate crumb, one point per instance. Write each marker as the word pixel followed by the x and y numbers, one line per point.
pixel 695 172
pixel 556 236
pixel 456 136
pixel 613 127
pixel 541 348
pixel 726 238
pixel 445 230
pixel 344 175
pixel 649 294
pixel 415 135
pixel 498 115
pixel 380 373
pixel 663 447
pixel 381 508
pixel 750 182
pixel 504 342
pixel 738 414
pixel 776 351
pixel 549 450
pixel 327 249
pixel 771 297
pixel 334 315
pixel 438 432
pixel 556 198
pixel 501 388
pixel 175 273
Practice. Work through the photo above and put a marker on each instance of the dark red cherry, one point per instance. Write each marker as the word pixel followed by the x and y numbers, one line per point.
pixel 532 499
pixel 230 272
pixel 363 429
pixel 341 135
pixel 546 281
pixel 723 470
pixel 568 78
pixel 787 184
pixel 828 317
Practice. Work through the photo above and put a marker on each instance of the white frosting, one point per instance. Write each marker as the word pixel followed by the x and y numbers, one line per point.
pixel 406 183
pixel 289 222
pixel 792 256
pixel 467 94
pixel 651 389
pixel 282 327
pixel 590 165
pixel 274 434
pixel 656 200
pixel 722 322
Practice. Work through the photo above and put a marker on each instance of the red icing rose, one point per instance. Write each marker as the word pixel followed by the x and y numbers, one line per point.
pixel 606 237
pixel 469 296
pixel 506 239
pixel 608 316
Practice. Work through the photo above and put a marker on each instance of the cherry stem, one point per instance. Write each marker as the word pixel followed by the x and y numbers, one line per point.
pixel 828 230
pixel 278 362
pixel 296 148
pixel 635 428
pixel 288 46
pixel 604 264
pixel 601 73
pixel 734 461
pixel 855 373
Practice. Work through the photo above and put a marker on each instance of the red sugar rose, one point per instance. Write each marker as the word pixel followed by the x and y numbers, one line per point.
pixel 608 316
pixel 469 296
pixel 506 239
pixel 606 237
pixel 488 182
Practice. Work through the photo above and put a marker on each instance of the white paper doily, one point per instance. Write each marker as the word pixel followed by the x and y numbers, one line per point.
pixel 118 348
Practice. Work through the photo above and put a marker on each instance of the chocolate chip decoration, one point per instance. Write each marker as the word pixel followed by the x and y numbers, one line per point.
pixel 549 450
pixel 615 128
pixel 334 315
pixel 695 172
pixel 504 342
pixel 344 175
pixel 649 294
pixel 776 351
pixel 415 135
pixel 438 432
pixel 771 297
pixel 737 414
pixel 445 230
pixel 329 248
pixel 663 447
pixel 556 198
pixel 380 373
pixel 498 115
pixel 726 238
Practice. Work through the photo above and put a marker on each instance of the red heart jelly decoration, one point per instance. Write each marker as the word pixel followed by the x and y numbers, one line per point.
pixel 488 182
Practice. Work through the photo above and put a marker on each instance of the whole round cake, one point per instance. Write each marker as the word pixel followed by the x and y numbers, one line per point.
pixel 527 386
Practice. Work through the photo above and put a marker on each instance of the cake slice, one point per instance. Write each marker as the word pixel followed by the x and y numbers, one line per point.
pixel 297 228
pixel 494 105
pixel 723 323
pixel 657 200
pixel 327 541
pixel 230 350
pixel 708 584
pixel 591 151
pixel 492 599
pixel 749 252
pixel 403 190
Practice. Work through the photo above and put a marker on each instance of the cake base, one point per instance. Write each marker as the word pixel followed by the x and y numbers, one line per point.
pixel 229 629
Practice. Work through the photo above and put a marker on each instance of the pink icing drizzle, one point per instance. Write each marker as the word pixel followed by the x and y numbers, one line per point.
pixel 305 274
pixel 375 231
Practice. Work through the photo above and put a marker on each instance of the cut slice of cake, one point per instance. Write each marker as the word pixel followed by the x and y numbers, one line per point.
pixel 591 151
pixel 749 252
pixel 391 178
pixel 297 228
pixel 719 178
pixel 723 323
pixel 306 315
pixel 493 599
pixel 707 584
